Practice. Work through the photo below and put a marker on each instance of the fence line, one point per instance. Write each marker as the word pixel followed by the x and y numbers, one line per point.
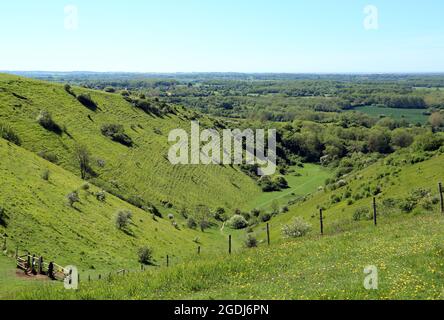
pixel 33 264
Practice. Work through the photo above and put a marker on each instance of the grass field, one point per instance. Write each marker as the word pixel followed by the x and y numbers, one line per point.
pixel 332 267
pixel 303 181
pixel 411 115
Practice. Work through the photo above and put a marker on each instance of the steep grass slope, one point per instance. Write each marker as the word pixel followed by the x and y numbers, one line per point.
pixel 141 171
pixel 405 247
pixel 392 180
pixel 40 220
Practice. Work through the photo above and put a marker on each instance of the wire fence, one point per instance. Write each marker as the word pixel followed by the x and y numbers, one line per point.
pixel 33 264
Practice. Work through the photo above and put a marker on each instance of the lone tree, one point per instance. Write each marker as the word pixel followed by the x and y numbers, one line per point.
pixel 145 255
pixel 83 159
pixel 203 216
pixel 123 219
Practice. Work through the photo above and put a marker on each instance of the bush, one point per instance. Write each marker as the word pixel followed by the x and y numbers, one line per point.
pixel 117 133
pixel 109 90
pixel 101 196
pixel 3 217
pixel 145 255
pixel 265 217
pixel 298 228
pixel 171 216
pixel 7 133
pixel 362 213
pixel 280 182
pixel 251 242
pixel 45 175
pixel 123 219
pixel 429 142
pixel 237 222
pixel 69 90
pixel 73 198
pixel 85 100
pixel 191 223
pixel 219 215
pixel 46 121
pixel 49 156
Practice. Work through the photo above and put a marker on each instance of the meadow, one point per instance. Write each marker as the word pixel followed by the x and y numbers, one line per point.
pixel 413 116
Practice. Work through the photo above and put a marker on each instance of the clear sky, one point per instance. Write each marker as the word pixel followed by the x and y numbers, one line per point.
pixel 222 35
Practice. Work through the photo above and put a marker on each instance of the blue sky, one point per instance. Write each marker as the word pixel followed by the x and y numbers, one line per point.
pixel 230 35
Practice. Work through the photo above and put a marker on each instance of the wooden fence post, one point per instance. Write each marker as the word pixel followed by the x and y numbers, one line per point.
pixel 16 252
pixel 89 278
pixel 168 261
pixel 33 264
pixel 268 233
pixel 41 265
pixel 78 278
pixel 229 244
pixel 198 250
pixel 375 213
pixel 100 276
pixel 441 197
pixel 321 221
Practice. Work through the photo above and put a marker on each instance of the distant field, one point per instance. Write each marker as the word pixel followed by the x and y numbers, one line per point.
pixel 311 177
pixel 411 115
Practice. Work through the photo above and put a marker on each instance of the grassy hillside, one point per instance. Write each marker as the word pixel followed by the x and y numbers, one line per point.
pixel 406 248
pixel 141 171
pixel 392 179
pixel 409 267
pixel 39 219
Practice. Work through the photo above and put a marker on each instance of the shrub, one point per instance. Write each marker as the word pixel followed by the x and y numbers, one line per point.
pixel 101 196
pixel 7 133
pixel 145 255
pixel 3 217
pixel 184 212
pixel 219 215
pixel 101 163
pixel 237 222
pixel 280 182
pixel 123 219
pixel 85 100
pixel 69 90
pixel 85 187
pixel 45 175
pixel 429 142
pixel 265 217
pixel 298 228
pixel 73 198
pixel 251 242
pixel 109 90
pixel 191 223
pixel 362 213
pixel 268 185
pixel 48 156
pixel 45 120
pixel 151 208
pixel 256 213
pixel 117 133
pixel 171 216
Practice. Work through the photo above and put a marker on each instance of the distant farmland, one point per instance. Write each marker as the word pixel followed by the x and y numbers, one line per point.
pixel 411 115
